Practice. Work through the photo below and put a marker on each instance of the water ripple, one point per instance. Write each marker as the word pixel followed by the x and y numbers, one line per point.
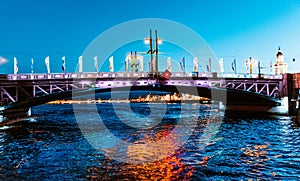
pixel 52 147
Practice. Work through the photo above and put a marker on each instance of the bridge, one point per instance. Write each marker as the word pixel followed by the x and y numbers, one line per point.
pixel 20 91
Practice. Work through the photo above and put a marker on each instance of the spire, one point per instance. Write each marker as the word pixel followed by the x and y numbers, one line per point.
pixel 279 52
pixel 280 67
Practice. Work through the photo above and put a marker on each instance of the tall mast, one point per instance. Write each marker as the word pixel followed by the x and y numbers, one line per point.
pixel 156 52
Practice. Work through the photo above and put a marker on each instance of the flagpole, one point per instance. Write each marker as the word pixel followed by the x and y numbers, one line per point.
pixel 210 65
pixel 184 64
pixel 130 61
pixel 259 73
pixel 271 67
pixel 151 52
pixel 141 59
pixel 221 65
pixel 195 60
pixel 169 64
pixel 235 69
pixel 80 69
pixel 127 59
pixel 251 66
pixel 156 48
pixel 111 64
pixel 96 63
pixel 47 62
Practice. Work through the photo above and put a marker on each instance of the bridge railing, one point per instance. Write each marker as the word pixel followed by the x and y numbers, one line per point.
pixel 132 74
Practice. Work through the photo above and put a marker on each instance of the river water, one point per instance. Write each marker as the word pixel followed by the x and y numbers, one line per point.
pixel 52 146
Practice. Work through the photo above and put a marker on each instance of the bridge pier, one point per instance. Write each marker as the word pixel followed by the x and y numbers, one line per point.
pixel 293 93
pixel 290 94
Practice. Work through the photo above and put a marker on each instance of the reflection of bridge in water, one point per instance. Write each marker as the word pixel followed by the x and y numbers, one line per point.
pixel 21 91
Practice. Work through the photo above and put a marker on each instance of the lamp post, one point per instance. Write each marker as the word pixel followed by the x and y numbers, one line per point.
pixel 149 41
pixel 158 41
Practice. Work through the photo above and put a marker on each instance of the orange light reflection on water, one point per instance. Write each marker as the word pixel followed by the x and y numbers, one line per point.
pixel 168 168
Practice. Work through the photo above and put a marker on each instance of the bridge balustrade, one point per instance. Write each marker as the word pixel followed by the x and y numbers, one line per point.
pixel 131 74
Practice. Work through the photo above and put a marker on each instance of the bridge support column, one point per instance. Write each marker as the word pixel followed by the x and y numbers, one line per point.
pixel 292 101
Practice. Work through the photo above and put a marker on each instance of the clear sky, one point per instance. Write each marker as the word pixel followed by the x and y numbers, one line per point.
pixel 233 28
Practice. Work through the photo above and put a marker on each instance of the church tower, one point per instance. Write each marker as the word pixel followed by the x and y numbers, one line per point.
pixel 280 66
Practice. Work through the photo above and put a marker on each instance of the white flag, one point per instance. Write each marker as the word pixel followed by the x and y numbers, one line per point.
pixel 169 60
pixel 221 65
pixel 16 69
pixel 141 63
pixel 195 64
pixel 64 63
pixel 96 63
pixel 247 66
pixel 111 64
pixel 80 64
pixel 31 65
pixel 3 60
pixel 47 62
pixel 126 63
pixel 271 66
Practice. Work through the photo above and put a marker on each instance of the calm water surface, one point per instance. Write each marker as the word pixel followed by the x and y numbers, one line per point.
pixel 51 146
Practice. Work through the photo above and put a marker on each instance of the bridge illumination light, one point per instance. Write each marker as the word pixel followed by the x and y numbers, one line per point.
pixel 159 41
pixel 147 41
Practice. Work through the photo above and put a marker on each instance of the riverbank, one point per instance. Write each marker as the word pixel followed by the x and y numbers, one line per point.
pixel 168 98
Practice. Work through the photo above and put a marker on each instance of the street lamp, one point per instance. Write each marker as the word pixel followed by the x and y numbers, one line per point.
pixel 158 41
pixel 149 41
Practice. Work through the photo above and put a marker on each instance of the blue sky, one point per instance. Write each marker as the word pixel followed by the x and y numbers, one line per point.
pixel 233 29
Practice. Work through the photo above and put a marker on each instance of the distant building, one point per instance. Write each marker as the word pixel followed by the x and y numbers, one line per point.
pixel 280 67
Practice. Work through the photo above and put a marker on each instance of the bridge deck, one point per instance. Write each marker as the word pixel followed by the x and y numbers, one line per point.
pixel 22 86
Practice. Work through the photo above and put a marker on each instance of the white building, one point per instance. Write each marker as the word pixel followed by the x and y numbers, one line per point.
pixel 280 67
